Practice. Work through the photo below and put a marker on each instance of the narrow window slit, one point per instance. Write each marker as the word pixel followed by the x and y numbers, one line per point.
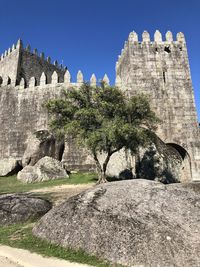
pixel 164 77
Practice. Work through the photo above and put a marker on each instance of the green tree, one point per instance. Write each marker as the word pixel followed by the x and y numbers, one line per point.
pixel 102 119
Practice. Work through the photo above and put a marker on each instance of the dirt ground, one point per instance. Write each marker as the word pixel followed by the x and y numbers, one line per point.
pixel 57 194
pixel 5 262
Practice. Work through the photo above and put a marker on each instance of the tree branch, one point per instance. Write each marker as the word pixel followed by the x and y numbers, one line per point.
pixel 115 150
pixel 97 162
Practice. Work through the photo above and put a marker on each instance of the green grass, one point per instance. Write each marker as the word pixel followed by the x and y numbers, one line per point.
pixel 20 236
pixel 12 185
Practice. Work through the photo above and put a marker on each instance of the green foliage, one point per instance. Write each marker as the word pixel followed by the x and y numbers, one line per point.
pixel 102 119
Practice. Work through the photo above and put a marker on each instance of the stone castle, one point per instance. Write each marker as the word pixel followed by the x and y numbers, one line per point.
pixel 158 68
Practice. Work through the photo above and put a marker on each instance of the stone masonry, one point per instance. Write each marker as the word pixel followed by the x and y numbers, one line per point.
pixel 27 81
pixel 160 69
pixel 157 68
pixel 19 64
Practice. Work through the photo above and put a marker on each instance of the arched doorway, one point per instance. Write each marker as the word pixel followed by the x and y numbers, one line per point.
pixel 185 163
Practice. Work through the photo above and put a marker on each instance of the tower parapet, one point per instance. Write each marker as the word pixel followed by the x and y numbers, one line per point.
pixel 158 42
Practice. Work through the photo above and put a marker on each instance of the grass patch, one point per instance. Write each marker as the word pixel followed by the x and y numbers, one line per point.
pixel 20 236
pixel 12 185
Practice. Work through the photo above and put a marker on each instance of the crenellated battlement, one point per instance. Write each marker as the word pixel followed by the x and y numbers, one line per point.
pixel 10 50
pixel 32 69
pixel 155 45
pixel 19 63
pixel 34 66
pixel 54 81
pixel 41 55
pixel 133 37
pixel 7 52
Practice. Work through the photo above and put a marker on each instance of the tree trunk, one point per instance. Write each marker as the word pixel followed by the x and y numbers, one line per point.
pixel 102 178
pixel 101 171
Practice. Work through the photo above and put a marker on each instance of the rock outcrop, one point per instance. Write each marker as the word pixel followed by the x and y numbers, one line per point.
pixel 45 169
pixel 134 223
pixel 41 144
pixel 9 166
pixel 164 163
pixel 120 164
pixel 19 208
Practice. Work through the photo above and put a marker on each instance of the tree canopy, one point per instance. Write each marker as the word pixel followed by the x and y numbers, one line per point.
pixel 103 119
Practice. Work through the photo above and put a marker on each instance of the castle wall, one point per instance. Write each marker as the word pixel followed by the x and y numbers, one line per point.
pixel 22 113
pixel 31 65
pixel 160 69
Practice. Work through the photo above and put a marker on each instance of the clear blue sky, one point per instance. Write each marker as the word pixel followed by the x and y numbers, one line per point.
pixel 89 34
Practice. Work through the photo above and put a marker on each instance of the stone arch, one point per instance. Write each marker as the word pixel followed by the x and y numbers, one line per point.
pixel 185 166
pixel 164 162
pixel 180 149
pixel 1 80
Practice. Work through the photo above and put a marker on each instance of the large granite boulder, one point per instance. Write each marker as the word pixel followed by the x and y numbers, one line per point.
pixel 41 144
pixel 120 164
pixel 133 223
pixel 45 169
pixel 9 166
pixel 166 163
pixel 163 162
pixel 19 208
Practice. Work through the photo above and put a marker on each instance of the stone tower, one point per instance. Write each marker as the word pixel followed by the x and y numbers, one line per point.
pixel 160 69
pixel 21 64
